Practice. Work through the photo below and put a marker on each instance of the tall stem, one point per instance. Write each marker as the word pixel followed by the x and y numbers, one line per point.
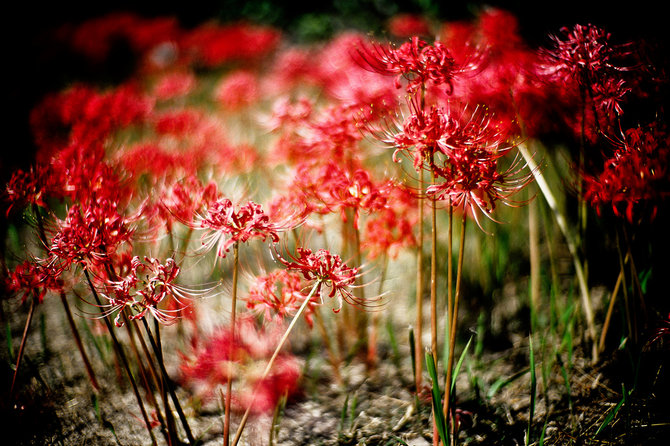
pixel 124 360
pixel 419 290
pixel 77 339
pixel 433 274
pixel 282 341
pixel 454 319
pixel 31 312
pixel 229 384
pixel 167 383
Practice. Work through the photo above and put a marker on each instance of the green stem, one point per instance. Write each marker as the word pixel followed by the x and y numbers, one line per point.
pixel 454 320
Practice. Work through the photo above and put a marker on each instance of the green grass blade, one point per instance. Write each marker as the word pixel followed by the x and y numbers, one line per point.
pixel 457 369
pixel 437 399
pixel 533 390
pixel 610 416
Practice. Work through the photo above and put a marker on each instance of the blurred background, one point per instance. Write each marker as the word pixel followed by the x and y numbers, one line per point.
pixel 36 62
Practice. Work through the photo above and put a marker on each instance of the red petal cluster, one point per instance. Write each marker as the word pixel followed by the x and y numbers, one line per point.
pixel 326 271
pixel 241 357
pixel 227 225
pixel 634 179
pixel 279 294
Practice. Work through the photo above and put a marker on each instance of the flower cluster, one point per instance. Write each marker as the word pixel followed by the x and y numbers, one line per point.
pixel 223 356
pixel 634 180
pixel 416 61
pixel 331 276
pixel 279 293
pixel 148 284
pixel 226 225
pixel 90 234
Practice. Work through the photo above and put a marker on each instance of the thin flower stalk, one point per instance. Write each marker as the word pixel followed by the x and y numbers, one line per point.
pixel 122 356
pixel 229 384
pixel 315 288
pixel 453 320
pixel 24 337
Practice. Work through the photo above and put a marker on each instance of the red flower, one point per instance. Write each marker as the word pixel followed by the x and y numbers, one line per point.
pixel 635 177
pixel 279 293
pixel 28 188
pixel 407 25
pixel 227 225
pixel 90 234
pixel 237 90
pixel 331 276
pixel 174 85
pixel 470 178
pixel 416 61
pixel 34 277
pixel 391 228
pixel 241 357
pixel 147 285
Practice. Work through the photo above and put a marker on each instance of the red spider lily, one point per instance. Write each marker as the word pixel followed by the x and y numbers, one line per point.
pixel 584 59
pixel 288 113
pixel 330 275
pixel 279 293
pixel 331 134
pixel 391 228
pixel 346 81
pixel 584 54
pixel 324 188
pixel 237 90
pixel 416 61
pixel 473 182
pixel 227 225
pixel 174 85
pixel 213 45
pixel 185 198
pixel 148 284
pixel 223 356
pixel 182 122
pixel 34 277
pixel 90 234
pixel 28 188
pixel 427 133
pixel 408 25
pixel 84 117
pixel 507 81
pixel 636 176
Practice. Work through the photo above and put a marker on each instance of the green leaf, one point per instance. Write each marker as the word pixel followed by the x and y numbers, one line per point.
pixel 457 369
pixel 610 416
pixel 437 398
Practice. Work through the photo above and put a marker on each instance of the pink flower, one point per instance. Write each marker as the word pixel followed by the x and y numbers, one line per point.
pixel 237 90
